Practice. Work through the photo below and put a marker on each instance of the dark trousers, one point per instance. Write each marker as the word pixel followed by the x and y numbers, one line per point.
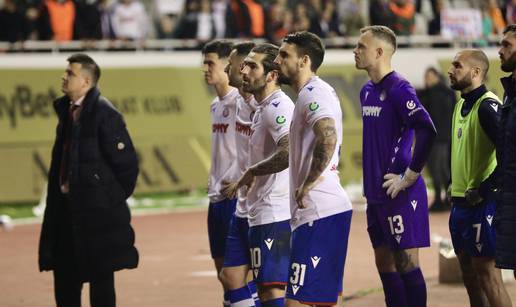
pixel 67 277
pixel 67 290
pixel 439 168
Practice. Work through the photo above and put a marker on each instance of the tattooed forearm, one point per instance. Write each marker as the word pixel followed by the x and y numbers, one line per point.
pixel 277 162
pixel 325 142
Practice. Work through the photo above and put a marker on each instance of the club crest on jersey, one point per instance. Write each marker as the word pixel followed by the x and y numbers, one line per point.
pixel 459 133
pixel 225 112
pixel 313 106
pixel 411 104
pixel 383 95
pixel 281 119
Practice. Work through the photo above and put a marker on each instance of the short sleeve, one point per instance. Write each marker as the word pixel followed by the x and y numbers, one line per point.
pixel 317 106
pixel 278 116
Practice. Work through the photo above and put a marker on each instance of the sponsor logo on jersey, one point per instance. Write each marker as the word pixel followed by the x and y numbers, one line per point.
pixel 371 111
pixel 489 219
pixel 276 103
pixel 219 128
pixel 281 119
pixel 411 104
pixel 310 88
pixel 366 95
pixel 414 111
pixel 244 129
pixel 313 106
pixel 398 238
pixel 494 105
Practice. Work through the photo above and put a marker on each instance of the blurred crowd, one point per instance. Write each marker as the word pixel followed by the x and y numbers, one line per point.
pixel 65 20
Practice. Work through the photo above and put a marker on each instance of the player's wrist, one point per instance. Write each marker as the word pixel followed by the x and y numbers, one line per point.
pixel 410 175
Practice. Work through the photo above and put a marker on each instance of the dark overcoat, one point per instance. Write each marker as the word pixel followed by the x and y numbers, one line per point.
pixel 505 219
pixel 102 172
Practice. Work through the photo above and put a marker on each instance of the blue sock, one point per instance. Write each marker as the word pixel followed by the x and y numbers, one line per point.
pixel 415 287
pixel 226 299
pixel 277 302
pixel 394 290
pixel 254 293
pixel 241 297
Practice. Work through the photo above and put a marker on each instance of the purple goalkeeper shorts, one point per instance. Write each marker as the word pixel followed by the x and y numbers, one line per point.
pixel 402 222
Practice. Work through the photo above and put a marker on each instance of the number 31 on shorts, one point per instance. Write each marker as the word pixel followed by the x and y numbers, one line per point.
pixel 298 274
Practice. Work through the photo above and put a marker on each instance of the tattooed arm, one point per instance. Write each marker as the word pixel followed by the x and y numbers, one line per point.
pixel 277 162
pixel 325 142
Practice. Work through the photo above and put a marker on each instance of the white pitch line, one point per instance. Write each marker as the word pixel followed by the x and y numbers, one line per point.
pixel 204 273
pixel 201 257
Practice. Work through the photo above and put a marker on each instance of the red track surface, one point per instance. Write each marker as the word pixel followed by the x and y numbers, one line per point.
pixel 174 248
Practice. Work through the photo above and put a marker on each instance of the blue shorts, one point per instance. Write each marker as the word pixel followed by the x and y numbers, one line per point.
pixel 269 246
pixel 219 218
pixel 402 222
pixel 471 229
pixel 237 243
pixel 317 260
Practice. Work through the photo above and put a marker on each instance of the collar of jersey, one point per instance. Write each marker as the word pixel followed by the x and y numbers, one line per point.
pixel 308 82
pixel 267 99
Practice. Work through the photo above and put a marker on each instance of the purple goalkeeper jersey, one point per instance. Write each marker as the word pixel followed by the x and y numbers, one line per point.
pixel 391 116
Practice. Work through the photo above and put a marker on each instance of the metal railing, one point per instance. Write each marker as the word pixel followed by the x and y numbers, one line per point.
pixel 424 41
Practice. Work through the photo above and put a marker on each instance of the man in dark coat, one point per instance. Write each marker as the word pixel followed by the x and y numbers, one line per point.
pixel 505 219
pixel 86 233
pixel 439 101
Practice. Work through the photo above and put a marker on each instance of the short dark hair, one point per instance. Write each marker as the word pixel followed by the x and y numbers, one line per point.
pixel 383 33
pixel 243 48
pixel 510 28
pixel 271 52
pixel 221 47
pixel 309 44
pixel 88 64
